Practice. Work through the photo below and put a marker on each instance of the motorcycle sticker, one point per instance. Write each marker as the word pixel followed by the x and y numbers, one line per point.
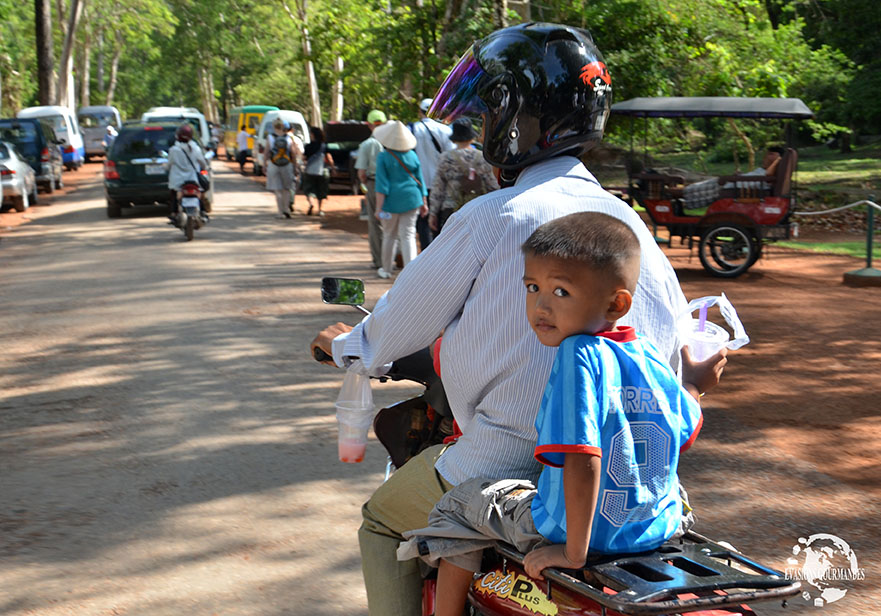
pixel 517 588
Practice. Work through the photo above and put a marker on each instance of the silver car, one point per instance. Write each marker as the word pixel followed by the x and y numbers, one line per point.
pixel 17 178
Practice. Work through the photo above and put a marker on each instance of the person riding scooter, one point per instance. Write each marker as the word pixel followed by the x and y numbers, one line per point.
pixel 185 162
pixel 543 92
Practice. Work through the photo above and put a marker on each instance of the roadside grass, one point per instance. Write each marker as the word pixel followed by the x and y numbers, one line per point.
pixel 850 249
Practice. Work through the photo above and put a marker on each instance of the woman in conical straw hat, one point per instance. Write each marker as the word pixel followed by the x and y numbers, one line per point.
pixel 400 193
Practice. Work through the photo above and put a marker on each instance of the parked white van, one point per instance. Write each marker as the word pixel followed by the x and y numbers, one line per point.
pixel 294 118
pixel 94 120
pixel 67 130
pixel 184 114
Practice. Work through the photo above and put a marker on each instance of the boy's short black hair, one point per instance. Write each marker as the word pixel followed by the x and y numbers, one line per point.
pixel 778 149
pixel 598 240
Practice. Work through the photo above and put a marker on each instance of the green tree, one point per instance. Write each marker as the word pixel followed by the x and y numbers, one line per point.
pixel 18 75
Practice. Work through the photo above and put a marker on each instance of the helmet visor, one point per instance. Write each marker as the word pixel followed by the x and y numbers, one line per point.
pixel 457 96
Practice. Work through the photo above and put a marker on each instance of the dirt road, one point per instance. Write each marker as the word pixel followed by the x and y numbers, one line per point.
pixel 167 446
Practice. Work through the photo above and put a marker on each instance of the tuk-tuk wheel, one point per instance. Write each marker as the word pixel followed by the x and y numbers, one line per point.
pixel 727 250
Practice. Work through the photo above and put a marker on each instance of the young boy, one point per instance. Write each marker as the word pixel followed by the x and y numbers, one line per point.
pixel 611 426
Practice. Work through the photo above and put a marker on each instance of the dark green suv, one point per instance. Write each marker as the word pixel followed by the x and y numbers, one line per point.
pixel 136 167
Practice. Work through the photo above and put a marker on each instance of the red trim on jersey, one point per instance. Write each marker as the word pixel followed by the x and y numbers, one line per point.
pixel 588 449
pixel 625 333
pixel 691 439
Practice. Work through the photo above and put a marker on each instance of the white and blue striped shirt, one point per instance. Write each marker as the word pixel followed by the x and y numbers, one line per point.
pixel 468 285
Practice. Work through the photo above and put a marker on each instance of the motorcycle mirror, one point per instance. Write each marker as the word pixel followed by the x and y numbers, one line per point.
pixel 342 291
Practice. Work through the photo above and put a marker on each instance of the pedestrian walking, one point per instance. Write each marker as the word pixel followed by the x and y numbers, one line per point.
pixel 242 151
pixel 317 175
pixel 401 195
pixel 462 175
pixel 365 163
pixel 281 157
pixel 432 140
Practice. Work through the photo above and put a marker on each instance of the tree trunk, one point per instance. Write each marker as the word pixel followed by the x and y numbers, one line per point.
pixel 207 93
pixel 215 112
pixel 60 13
pixel 85 72
pixel 114 66
pixel 845 141
pixel 66 62
pixel 99 65
pixel 500 13
pixel 200 76
pixel 45 55
pixel 336 102
pixel 300 20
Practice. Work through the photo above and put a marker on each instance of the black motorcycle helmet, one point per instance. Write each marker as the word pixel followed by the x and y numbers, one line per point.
pixel 542 89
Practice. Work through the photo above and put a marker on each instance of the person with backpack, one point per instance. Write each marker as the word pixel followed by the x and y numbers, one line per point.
pixel 432 140
pixel 462 174
pixel 282 157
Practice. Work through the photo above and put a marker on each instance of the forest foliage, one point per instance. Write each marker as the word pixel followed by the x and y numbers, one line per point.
pixel 215 54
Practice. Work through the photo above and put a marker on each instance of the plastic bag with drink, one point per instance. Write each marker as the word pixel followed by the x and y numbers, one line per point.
pixel 705 338
pixel 354 413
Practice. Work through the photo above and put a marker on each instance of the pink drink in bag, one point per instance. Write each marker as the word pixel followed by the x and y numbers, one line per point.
pixel 354 412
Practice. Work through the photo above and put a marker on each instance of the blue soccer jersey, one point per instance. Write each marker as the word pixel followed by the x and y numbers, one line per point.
pixel 614 396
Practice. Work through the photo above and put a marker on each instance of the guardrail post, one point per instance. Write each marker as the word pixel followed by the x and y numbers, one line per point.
pixel 867 276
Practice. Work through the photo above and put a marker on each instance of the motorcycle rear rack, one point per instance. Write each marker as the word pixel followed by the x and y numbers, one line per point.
pixel 650 583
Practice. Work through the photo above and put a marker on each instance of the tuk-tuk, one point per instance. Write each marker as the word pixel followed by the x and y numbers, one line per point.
pixel 745 210
pixel 247 117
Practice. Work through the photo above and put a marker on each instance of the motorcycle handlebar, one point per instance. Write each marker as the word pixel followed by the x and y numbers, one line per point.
pixel 320 355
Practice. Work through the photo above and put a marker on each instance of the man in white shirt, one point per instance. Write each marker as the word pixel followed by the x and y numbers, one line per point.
pixel 365 163
pixel 242 151
pixel 468 285
pixel 432 140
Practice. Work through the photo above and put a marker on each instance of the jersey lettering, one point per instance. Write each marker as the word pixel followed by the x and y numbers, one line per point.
pixel 637 455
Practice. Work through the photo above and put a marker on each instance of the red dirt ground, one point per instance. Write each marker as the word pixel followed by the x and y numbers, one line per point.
pixel 790 443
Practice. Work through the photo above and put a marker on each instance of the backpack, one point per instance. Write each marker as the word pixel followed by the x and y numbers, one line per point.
pixel 280 154
pixel 470 185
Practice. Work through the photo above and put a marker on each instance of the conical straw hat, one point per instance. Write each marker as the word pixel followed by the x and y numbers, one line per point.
pixel 394 135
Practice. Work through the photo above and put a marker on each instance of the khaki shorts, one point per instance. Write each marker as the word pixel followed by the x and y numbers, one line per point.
pixel 471 517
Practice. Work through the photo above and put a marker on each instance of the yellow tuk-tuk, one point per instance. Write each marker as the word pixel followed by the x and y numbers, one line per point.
pixel 247 117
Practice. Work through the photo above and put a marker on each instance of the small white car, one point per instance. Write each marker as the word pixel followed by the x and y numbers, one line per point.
pixel 181 115
pixel 17 178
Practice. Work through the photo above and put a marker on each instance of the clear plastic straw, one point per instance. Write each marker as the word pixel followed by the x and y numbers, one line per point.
pixel 702 317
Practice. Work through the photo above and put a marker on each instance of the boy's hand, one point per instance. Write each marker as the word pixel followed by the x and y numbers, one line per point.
pixel 540 559
pixel 703 375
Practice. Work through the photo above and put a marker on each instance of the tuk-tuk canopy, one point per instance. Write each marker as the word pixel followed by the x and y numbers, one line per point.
pixel 713 106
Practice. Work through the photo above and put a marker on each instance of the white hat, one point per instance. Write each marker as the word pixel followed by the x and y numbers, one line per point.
pixel 394 135
pixel 425 104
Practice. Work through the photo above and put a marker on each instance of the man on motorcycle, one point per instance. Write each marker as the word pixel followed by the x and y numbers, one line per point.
pixel 185 161
pixel 544 95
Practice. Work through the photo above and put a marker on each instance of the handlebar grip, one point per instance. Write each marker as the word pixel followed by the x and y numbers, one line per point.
pixel 320 355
